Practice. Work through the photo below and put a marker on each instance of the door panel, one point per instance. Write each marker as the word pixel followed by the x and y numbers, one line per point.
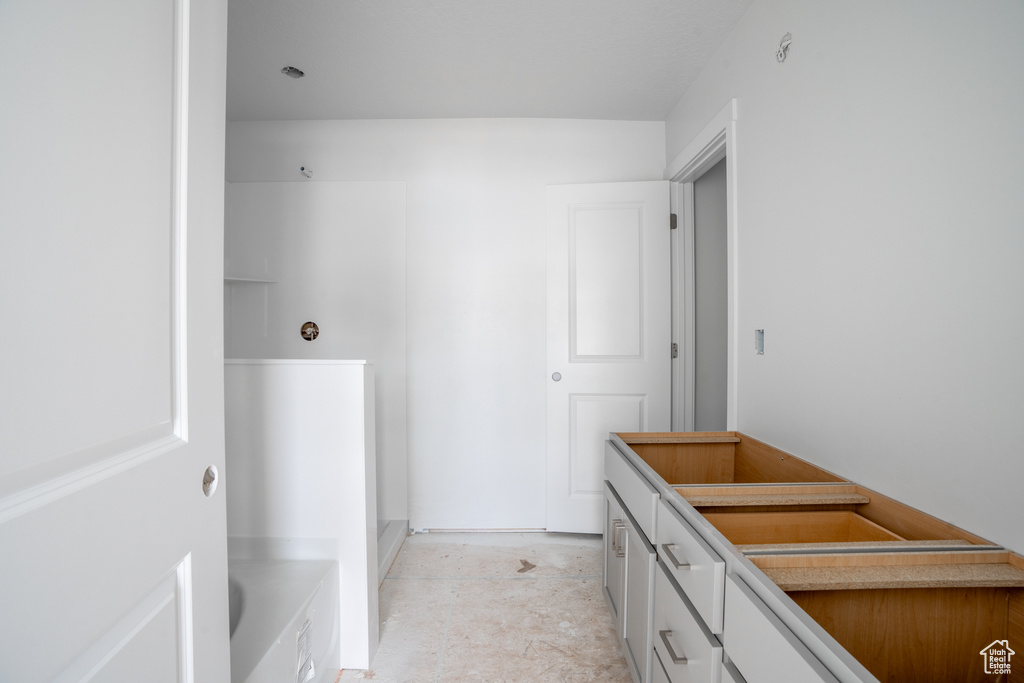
pixel 589 416
pixel 111 202
pixel 155 631
pixel 605 282
pixel 608 335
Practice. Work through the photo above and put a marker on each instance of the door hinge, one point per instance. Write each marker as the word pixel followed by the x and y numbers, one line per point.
pixel 675 350
pixel 673 222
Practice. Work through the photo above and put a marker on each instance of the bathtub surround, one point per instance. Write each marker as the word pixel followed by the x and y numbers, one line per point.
pixel 300 459
pixel 334 253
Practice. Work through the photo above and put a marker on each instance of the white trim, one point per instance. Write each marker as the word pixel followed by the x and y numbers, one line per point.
pixel 129 451
pixel 173 590
pixel 186 625
pixel 675 255
pixel 389 542
pixel 291 361
pixel 705 150
pixel 715 142
pixel 179 224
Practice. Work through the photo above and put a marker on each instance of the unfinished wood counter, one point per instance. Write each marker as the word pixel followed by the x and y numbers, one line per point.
pixel 910 596
pixel 909 616
pixel 720 458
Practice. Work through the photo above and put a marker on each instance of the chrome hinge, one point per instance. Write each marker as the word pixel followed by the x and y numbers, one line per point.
pixel 673 222
pixel 675 350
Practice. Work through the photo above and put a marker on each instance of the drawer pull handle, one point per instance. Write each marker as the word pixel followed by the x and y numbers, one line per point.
pixel 672 558
pixel 617 526
pixel 676 659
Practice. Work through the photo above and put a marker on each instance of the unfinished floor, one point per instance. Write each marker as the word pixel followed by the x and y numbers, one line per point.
pixel 496 607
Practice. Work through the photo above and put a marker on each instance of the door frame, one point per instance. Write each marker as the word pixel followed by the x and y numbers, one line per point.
pixel 715 142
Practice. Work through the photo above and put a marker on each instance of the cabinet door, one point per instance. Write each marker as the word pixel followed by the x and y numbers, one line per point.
pixel 614 557
pixel 640 566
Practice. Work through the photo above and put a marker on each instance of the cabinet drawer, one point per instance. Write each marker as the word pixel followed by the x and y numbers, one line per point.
pixel 762 647
pixel 730 674
pixel 695 566
pixel 685 646
pixel 658 673
pixel 637 494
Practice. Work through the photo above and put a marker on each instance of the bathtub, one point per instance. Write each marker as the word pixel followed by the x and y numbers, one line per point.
pixel 284 621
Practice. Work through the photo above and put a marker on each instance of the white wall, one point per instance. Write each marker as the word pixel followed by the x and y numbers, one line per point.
pixel 475 282
pixel 881 243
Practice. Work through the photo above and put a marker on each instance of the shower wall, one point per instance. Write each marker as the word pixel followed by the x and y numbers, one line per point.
pixel 332 253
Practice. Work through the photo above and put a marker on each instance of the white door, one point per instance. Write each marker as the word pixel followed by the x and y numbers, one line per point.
pixel 112 558
pixel 609 335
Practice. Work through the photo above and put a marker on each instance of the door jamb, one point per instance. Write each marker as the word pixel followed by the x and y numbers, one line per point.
pixel 715 142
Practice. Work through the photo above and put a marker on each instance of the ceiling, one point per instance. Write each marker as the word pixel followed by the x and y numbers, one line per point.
pixel 371 59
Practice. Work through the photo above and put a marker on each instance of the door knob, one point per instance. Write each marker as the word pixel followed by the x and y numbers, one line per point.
pixel 210 480
pixel 556 376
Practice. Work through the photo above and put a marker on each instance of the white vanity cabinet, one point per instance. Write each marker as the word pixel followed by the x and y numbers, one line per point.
pixel 630 560
pixel 768 569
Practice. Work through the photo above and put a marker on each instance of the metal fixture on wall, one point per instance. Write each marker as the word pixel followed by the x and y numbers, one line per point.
pixel 308 172
pixel 292 72
pixel 310 331
pixel 783 51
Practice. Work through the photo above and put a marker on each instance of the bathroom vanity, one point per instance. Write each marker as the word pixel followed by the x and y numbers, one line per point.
pixel 729 560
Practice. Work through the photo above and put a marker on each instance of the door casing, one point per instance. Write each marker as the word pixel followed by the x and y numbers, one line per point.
pixel 715 142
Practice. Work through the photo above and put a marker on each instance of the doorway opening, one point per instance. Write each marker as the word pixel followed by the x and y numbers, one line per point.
pixel 704 279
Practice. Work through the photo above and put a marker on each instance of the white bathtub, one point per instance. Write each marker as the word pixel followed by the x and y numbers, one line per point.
pixel 284 617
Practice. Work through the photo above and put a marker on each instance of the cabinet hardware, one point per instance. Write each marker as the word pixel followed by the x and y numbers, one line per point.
pixel 617 526
pixel 672 558
pixel 676 659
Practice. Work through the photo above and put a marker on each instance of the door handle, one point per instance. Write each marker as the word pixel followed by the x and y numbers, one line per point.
pixel 676 659
pixel 557 376
pixel 617 526
pixel 667 549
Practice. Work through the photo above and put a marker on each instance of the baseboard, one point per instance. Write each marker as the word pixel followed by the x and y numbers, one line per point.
pixel 389 543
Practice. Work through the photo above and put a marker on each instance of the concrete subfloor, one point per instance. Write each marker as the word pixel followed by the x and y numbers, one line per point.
pixel 496 607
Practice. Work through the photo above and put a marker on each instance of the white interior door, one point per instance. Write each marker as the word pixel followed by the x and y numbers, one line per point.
pixel 113 562
pixel 609 335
